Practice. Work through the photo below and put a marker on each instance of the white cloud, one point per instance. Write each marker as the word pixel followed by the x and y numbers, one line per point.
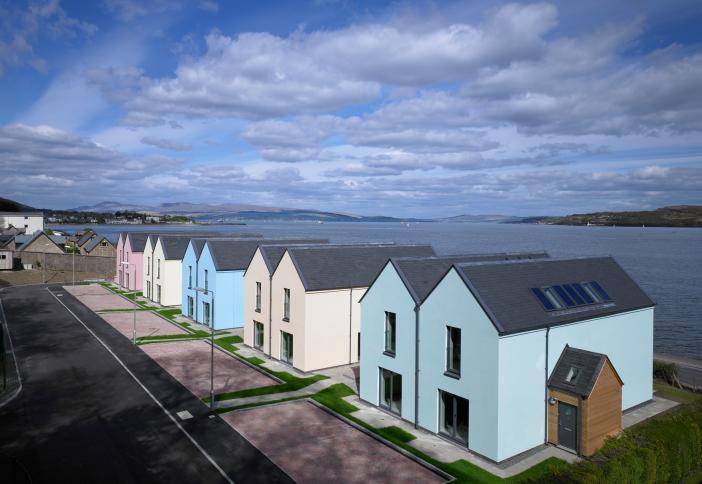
pixel 166 144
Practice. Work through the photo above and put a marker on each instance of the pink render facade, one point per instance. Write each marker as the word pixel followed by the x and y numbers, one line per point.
pixel 129 276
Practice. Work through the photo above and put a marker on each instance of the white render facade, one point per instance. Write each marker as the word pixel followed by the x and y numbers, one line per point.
pixel 29 221
pixel 502 376
pixel 166 275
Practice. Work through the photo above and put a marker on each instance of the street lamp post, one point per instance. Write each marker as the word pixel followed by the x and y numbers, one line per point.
pixel 125 264
pixel 205 292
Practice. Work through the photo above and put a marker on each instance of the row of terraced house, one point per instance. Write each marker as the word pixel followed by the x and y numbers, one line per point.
pixel 498 353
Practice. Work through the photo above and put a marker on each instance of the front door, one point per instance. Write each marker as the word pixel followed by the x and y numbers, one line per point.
pixel 258 335
pixel 391 391
pixel 206 313
pixel 158 293
pixel 567 426
pixel 286 350
pixel 190 306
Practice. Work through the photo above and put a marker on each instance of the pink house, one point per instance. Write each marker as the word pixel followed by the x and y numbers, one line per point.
pixel 130 253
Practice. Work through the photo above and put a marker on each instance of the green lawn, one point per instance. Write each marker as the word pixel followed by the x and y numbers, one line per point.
pixel 677 394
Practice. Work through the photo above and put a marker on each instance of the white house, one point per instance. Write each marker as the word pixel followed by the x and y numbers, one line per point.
pixel 29 221
pixel 504 356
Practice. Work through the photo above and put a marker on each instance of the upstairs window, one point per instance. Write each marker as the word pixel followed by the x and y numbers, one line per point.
pixel 453 350
pixel 570 295
pixel 148 266
pixel 390 332
pixel 286 304
pixel 190 277
pixel 205 280
pixel 258 296
pixel 572 376
pixel 158 268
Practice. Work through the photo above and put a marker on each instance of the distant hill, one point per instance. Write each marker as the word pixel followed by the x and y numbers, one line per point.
pixel 7 205
pixel 675 216
pixel 483 218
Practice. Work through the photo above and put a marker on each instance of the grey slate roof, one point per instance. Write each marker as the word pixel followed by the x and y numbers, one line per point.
pixel 58 240
pixel 94 243
pixel 235 254
pixel 137 240
pixel 420 275
pixel 338 267
pixel 273 253
pixel 589 365
pixel 85 237
pixel 6 239
pixel 21 214
pixel 503 289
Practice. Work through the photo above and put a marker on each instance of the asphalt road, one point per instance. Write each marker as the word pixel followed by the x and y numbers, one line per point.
pixel 689 370
pixel 81 417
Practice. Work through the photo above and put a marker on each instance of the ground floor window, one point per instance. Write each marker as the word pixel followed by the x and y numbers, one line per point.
pixel 127 280
pixel 390 390
pixel 148 289
pixel 191 304
pixel 453 416
pixel 158 293
pixel 286 347
pixel 206 313
pixel 258 335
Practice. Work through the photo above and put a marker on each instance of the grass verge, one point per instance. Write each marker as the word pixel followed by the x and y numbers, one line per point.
pixel 676 394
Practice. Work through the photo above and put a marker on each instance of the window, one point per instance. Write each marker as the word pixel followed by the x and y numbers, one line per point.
pixel 390 319
pixel 148 266
pixel 258 297
pixel 205 280
pixel 453 351
pixel 103 243
pixel 190 306
pixel 258 335
pixel 190 277
pixel 390 390
pixel 206 313
pixel 158 268
pixel 570 295
pixel 286 347
pixel 286 304
pixel 453 416
pixel 158 293
pixel 573 374
pixel 3 257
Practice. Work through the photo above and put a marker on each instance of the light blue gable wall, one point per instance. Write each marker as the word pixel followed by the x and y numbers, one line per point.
pixel 627 339
pixel 226 290
pixel 452 304
pixel 189 259
pixel 522 397
pixel 388 293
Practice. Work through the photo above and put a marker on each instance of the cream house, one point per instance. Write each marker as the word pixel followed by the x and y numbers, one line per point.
pixel 314 302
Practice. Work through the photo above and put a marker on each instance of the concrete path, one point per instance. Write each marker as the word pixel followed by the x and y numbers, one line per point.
pixel 303 392
pixel 646 411
pixel 445 451
pixel 689 369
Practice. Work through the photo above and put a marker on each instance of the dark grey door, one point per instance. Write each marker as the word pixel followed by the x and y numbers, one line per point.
pixel 567 426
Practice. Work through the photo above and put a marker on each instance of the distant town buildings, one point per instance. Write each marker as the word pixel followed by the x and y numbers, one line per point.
pixel 25 222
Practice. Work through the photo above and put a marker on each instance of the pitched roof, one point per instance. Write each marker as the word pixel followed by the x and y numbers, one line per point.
pixel 584 366
pixel 21 214
pixel 503 289
pixel 137 240
pixel 94 243
pixel 87 235
pixel 421 274
pixel 343 266
pixel 6 239
pixel 235 254
pixel 272 253
pixel 58 240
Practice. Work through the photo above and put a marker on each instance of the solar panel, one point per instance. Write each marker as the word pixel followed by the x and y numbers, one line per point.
pixel 583 293
pixel 564 296
pixel 545 302
pixel 573 294
pixel 600 290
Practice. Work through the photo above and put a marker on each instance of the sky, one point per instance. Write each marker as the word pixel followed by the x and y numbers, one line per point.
pixel 424 109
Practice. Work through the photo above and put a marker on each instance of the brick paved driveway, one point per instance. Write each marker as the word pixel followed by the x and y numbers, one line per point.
pixel 148 323
pixel 98 298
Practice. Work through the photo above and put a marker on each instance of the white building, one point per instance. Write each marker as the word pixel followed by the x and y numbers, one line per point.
pixel 29 221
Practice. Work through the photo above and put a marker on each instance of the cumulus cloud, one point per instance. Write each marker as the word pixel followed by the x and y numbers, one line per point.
pixel 166 144
pixel 20 26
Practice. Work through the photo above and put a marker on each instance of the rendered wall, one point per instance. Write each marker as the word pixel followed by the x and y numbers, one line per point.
pixel 388 293
pixel 256 272
pixel 284 276
pixel 452 304
pixel 134 269
pixel 146 262
pixel 189 260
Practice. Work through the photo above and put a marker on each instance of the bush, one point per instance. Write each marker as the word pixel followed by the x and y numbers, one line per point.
pixel 664 449
pixel 668 372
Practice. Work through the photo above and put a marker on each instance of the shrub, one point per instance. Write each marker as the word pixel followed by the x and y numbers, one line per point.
pixel 664 449
pixel 668 372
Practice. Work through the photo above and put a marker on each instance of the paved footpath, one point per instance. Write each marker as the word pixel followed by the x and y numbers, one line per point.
pixel 81 417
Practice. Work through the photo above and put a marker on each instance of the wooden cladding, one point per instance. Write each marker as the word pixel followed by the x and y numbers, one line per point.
pixel 599 415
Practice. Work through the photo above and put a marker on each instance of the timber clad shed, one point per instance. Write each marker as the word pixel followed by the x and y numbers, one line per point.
pixel 585 400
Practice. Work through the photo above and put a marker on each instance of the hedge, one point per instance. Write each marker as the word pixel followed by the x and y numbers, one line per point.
pixel 664 449
pixel 667 372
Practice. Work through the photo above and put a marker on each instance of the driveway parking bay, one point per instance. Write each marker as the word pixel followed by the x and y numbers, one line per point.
pixel 147 324
pixel 98 298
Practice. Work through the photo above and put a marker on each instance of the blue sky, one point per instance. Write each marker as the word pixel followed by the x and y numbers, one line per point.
pixel 396 108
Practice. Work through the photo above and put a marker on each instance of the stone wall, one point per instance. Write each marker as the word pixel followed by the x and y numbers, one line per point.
pixel 64 262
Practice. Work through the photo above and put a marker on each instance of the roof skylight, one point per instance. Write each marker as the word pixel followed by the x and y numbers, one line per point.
pixel 570 295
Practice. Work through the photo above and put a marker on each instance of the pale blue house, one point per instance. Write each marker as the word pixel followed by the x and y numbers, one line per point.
pixel 490 334
pixel 217 266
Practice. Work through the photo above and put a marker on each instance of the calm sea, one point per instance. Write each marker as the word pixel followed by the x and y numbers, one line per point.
pixel 666 262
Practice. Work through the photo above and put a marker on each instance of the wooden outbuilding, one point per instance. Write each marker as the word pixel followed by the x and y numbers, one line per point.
pixel 585 401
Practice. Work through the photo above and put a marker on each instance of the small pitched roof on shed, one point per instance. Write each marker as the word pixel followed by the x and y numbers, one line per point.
pixel 95 242
pixel 577 370
pixel 503 289
pixel 343 266
pixel 421 274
